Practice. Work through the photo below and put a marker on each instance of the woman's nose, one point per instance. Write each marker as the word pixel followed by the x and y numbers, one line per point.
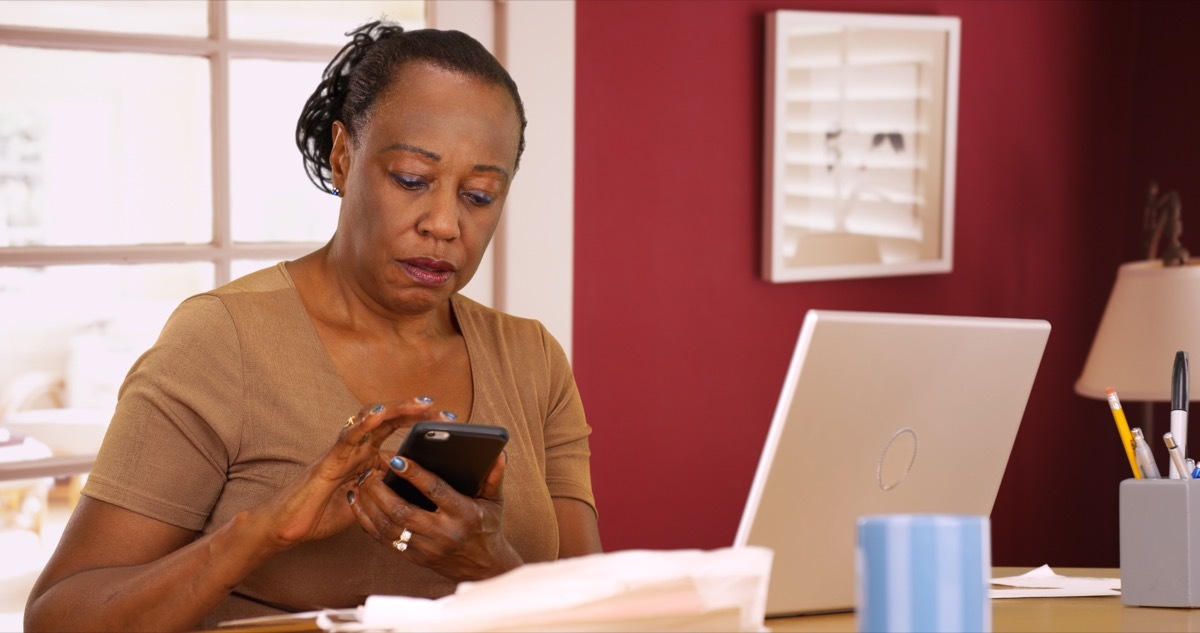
pixel 440 218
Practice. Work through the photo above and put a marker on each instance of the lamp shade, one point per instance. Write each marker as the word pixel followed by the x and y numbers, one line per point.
pixel 1153 312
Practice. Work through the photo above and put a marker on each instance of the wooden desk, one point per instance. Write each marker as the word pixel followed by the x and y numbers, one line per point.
pixel 1040 614
pixel 1043 615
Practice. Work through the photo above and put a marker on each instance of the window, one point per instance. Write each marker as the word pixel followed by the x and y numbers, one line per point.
pixel 148 155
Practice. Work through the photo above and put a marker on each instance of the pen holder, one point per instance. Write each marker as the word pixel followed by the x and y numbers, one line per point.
pixel 1160 542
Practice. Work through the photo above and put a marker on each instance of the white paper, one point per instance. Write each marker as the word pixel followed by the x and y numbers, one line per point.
pixel 670 590
pixel 1043 582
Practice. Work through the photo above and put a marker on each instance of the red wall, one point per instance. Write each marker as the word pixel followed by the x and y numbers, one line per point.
pixel 680 348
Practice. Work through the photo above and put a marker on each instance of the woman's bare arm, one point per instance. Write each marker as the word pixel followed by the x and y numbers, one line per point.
pixel 115 569
pixel 578 533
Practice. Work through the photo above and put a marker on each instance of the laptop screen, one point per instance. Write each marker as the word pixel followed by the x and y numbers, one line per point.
pixel 882 413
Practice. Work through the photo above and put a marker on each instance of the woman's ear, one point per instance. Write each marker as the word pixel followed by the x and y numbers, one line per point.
pixel 339 155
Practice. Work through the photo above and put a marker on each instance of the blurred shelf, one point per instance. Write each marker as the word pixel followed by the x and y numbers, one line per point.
pixel 56 466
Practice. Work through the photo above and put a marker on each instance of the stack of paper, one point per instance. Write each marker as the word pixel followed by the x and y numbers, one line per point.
pixel 634 590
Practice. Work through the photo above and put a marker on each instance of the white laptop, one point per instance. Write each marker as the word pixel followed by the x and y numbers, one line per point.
pixel 882 413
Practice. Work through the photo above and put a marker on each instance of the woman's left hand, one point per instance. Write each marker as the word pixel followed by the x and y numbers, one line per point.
pixel 462 540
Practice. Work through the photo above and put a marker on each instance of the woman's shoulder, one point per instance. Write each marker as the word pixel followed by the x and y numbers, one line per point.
pixel 271 284
pixel 265 296
pixel 271 279
pixel 474 315
pixel 510 335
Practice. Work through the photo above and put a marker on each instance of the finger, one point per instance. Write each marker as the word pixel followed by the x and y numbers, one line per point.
pixel 383 514
pixel 360 437
pixel 493 484
pixel 365 507
pixel 442 494
pixel 444 416
pixel 374 423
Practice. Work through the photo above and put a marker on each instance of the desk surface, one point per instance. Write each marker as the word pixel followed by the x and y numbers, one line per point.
pixel 1039 614
pixel 1046 615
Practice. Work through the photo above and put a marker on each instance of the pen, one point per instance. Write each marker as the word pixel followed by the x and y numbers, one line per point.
pixel 1179 403
pixel 1180 470
pixel 1114 403
pixel 1145 459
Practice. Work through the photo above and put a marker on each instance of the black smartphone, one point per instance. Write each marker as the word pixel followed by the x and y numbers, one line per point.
pixel 461 454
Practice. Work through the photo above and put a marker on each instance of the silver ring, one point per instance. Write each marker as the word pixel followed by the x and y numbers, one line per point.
pixel 401 543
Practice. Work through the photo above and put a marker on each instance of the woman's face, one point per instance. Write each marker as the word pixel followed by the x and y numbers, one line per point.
pixel 424 181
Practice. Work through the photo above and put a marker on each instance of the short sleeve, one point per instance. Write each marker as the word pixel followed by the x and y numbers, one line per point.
pixel 175 427
pixel 566 431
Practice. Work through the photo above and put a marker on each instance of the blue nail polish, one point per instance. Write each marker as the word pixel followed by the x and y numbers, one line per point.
pixel 377 409
pixel 424 399
pixel 350 496
pixel 398 463
pixel 449 415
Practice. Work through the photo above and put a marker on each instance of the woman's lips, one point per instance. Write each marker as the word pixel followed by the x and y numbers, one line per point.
pixel 427 271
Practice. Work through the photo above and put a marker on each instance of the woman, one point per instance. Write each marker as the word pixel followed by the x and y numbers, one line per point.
pixel 242 473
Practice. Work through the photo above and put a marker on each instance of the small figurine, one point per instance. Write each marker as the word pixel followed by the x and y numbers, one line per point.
pixel 1162 214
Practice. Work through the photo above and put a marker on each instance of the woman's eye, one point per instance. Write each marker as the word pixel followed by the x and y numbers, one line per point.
pixel 479 198
pixel 409 182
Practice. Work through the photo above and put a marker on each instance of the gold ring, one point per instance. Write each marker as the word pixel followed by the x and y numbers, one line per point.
pixel 349 422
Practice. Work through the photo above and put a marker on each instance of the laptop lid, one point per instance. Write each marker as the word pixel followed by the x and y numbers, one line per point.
pixel 882 413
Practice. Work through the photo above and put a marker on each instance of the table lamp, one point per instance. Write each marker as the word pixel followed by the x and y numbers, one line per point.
pixel 1152 313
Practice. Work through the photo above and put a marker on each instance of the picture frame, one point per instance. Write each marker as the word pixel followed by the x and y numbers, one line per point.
pixel 860 127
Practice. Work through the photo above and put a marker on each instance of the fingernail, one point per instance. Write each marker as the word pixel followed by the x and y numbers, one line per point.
pixel 449 415
pixel 350 496
pixel 363 477
pixel 424 399
pixel 377 409
pixel 398 463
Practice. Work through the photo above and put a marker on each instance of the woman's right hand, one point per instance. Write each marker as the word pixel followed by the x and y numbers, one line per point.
pixel 315 505
pixel 115 569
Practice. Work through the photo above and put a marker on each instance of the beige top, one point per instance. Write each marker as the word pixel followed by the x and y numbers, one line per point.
pixel 238 396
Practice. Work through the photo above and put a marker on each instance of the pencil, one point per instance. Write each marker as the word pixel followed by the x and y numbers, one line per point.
pixel 1114 403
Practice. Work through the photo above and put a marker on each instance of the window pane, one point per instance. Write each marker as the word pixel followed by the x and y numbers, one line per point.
pixel 316 21
pixel 87 324
pixel 170 17
pixel 104 148
pixel 272 198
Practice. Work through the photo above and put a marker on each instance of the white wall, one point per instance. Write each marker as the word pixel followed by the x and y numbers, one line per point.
pixel 531 262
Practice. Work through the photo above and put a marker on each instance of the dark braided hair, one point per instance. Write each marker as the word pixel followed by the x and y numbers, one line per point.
pixel 366 66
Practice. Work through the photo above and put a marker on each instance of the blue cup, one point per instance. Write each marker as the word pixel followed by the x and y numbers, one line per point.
pixel 924 572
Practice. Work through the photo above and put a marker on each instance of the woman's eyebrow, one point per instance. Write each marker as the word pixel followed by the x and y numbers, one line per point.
pixel 493 168
pixel 402 147
pixel 434 156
